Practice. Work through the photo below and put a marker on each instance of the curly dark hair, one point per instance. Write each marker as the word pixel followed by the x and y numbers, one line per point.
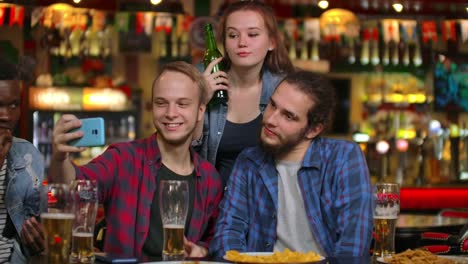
pixel 320 91
pixel 22 71
pixel 8 70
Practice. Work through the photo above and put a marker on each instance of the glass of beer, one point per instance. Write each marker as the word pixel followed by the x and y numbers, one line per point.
pixel 173 206
pixel 387 209
pixel 58 222
pixel 85 196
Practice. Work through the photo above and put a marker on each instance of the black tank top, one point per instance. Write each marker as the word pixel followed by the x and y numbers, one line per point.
pixel 236 137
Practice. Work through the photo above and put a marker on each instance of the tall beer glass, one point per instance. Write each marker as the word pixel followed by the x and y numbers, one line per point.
pixel 85 195
pixel 58 222
pixel 173 205
pixel 387 209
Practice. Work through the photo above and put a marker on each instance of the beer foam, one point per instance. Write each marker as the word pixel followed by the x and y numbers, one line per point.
pixel 82 234
pixel 391 217
pixel 62 216
pixel 173 226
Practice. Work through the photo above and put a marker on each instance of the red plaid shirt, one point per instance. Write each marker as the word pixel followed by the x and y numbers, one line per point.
pixel 126 180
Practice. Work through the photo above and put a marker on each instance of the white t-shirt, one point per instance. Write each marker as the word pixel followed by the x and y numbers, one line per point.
pixel 293 231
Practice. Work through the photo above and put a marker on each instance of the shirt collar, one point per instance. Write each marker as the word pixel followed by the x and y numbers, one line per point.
pixel 313 157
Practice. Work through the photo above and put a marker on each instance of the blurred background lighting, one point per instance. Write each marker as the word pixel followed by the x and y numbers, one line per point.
pixel 402 145
pixel 323 4
pixel 398 7
pixel 382 147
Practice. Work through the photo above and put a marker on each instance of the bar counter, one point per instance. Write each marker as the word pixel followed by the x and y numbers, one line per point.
pixel 42 259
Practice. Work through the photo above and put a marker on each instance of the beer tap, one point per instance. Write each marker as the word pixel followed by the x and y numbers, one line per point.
pixel 421 159
pixel 382 148
pixel 454 151
pixel 402 147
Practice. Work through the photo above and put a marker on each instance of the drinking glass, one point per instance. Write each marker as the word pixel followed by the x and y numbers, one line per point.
pixel 58 222
pixel 387 209
pixel 173 205
pixel 85 195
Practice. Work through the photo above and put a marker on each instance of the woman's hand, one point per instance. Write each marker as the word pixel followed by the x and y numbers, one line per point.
pixel 216 80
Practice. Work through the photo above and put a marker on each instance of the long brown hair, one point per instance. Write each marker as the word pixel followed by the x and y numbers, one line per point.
pixel 276 60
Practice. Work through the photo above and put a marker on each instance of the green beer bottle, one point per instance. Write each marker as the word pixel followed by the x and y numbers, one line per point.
pixel 212 53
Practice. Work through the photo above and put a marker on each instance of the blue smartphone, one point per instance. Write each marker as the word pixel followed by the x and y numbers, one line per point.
pixel 108 258
pixel 93 133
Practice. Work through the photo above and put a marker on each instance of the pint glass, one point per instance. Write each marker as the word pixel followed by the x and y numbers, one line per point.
pixel 85 196
pixel 173 205
pixel 58 222
pixel 387 209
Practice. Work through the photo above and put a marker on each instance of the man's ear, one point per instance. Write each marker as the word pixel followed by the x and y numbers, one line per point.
pixel 201 112
pixel 314 131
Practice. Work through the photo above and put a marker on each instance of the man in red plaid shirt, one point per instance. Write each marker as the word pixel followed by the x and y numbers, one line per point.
pixel 128 173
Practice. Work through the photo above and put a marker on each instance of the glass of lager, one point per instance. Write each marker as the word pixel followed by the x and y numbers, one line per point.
pixel 58 222
pixel 85 196
pixel 387 209
pixel 173 206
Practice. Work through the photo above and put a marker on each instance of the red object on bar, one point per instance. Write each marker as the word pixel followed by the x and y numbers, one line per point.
pixel 453 213
pixel 435 235
pixel 433 198
pixel 437 249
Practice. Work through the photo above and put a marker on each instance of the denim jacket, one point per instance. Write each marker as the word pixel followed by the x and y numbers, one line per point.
pixel 215 117
pixel 23 197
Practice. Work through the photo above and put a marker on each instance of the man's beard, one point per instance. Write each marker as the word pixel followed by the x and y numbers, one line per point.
pixel 284 146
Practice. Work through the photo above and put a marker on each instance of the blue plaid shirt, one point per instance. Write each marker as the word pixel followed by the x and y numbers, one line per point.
pixel 334 181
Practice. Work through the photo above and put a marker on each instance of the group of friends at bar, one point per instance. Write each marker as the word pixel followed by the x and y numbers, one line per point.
pixel 261 175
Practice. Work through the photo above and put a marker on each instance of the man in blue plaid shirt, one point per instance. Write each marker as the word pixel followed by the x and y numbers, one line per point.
pixel 298 190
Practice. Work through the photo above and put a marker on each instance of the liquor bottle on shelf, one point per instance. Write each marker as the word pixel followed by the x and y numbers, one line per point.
pixel 212 53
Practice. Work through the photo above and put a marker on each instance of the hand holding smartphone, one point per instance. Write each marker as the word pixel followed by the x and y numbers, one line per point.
pixel 93 133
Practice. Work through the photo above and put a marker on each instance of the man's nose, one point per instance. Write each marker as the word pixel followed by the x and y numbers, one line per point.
pixel 171 110
pixel 271 117
pixel 4 113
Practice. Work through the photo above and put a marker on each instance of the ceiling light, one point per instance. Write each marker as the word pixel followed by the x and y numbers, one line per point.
pixel 323 4
pixel 155 2
pixel 398 7
pixel 76 1
pixel 365 4
pixel 417 6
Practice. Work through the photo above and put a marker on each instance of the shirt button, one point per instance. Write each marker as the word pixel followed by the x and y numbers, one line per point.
pixel 267 245
pixel 219 132
pixel 273 216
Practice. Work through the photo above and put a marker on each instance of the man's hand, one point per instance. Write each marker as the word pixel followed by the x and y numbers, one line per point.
pixel 33 235
pixel 6 139
pixel 193 250
pixel 61 137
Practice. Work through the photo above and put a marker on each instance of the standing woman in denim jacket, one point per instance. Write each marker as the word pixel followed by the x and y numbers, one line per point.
pixel 255 61
pixel 22 198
